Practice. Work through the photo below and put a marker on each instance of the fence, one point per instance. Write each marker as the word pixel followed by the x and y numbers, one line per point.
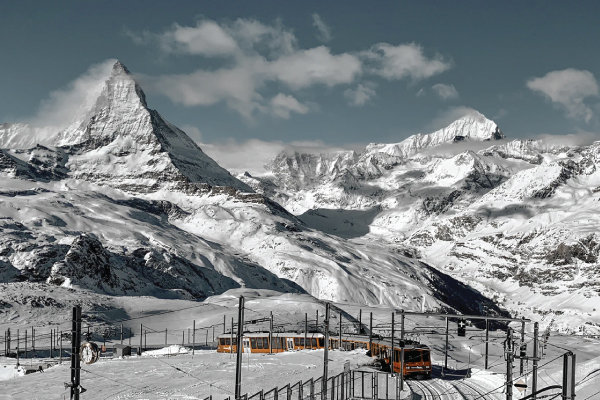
pixel 347 385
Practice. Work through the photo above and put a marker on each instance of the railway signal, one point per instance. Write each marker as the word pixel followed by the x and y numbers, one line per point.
pixel 462 327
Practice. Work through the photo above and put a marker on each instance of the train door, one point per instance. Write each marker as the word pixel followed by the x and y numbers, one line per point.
pixel 290 344
pixel 246 345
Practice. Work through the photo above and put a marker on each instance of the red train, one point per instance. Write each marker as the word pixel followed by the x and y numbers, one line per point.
pixel 417 357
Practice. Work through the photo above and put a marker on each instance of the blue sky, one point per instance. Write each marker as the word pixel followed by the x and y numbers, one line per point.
pixel 335 74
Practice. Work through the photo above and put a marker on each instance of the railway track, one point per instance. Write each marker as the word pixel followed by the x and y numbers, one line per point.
pixel 450 390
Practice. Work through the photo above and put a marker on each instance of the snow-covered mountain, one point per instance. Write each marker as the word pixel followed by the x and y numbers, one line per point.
pixel 122 143
pixel 122 202
pixel 516 220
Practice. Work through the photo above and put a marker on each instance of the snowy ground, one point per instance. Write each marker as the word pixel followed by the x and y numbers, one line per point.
pixel 173 373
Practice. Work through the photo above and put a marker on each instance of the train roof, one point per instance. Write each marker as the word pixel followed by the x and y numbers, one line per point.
pixel 408 344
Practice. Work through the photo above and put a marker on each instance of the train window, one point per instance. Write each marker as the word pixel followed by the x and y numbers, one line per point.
pixel 259 343
pixel 234 341
pixel 425 356
pixel 253 343
pixel 321 342
pixel 297 342
pixel 412 356
pixel 301 342
pixel 222 341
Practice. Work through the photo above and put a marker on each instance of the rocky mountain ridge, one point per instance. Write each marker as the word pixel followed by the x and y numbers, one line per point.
pixel 517 220
pixel 124 203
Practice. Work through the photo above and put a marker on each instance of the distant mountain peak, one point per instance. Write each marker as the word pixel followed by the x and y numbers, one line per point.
pixel 120 69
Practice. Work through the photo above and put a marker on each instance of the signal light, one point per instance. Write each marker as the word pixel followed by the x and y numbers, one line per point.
pixel 462 327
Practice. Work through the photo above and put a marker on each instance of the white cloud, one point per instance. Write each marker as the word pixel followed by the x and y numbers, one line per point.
pixel 254 55
pixel 403 61
pixel 316 66
pixel 206 38
pixel 64 105
pixel 421 93
pixel 323 31
pixel 282 105
pixel 568 88
pixel 192 132
pixel 445 92
pixel 360 96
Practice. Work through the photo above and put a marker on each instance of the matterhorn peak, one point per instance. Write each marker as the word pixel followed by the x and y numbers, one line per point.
pixel 119 69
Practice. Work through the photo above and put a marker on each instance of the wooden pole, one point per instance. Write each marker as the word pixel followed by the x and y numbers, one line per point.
pixel 360 329
pixel 402 345
pixel 534 372
pixel 392 356
pixel 305 329
pixel 238 369
pixel 271 333
pixel 371 334
pixel 446 347
pixel 325 354
pixel 487 342
pixel 140 348
pixel 340 330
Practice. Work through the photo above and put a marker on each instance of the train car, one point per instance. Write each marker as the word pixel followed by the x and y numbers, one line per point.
pixel 417 361
pixel 258 342
pixel 417 357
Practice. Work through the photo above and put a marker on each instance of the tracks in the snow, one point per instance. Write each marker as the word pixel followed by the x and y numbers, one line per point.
pixel 449 390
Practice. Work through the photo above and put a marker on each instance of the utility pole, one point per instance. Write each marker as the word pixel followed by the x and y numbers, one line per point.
pixel 166 336
pixel 223 324
pixel 238 365
pixel 141 338
pixel 51 341
pixel 487 341
pixel 121 333
pixel 325 354
pixel 317 321
pixel 402 345
pixel 231 346
pixel 509 355
pixel 371 334
pixel 534 375
pixel 271 333
pixel 305 329
pixel 75 360
pixel 340 331
pixel 522 344
pixel 194 336
pixel 392 358
pixel 360 329
pixel 446 347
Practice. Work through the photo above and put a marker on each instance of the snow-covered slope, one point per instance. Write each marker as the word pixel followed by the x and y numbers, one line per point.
pixel 126 204
pixel 516 220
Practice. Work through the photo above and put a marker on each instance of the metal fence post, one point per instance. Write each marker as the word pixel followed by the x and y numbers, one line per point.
pixel 276 394
pixel 312 389
pixel 300 391
pixel 375 385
